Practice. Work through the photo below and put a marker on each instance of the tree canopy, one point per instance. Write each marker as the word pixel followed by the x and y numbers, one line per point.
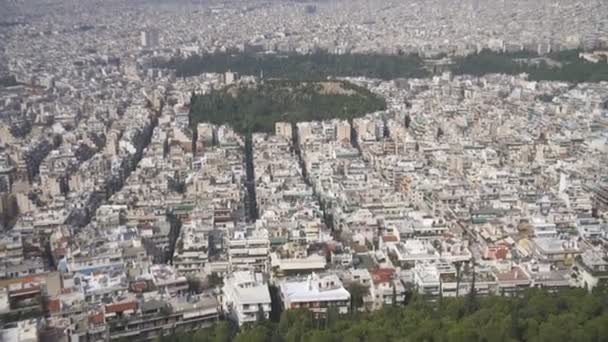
pixel 537 315
pixel 563 66
pixel 316 66
pixel 255 108
pixel 557 66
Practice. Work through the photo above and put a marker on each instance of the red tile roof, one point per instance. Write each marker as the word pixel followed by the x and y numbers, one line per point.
pixel 499 252
pixel 389 238
pixel 516 273
pixel 382 275
pixel 54 305
pixel 121 307
pixel 138 286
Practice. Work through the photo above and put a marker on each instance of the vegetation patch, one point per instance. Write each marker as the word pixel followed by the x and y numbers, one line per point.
pixel 256 107
pixel 316 66
pixel 535 315
pixel 564 66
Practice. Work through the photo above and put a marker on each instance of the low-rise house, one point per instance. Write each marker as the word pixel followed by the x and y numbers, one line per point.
pixel 590 228
pixel 592 268
pixel 410 251
pixel 150 319
pixel 555 250
pixel 427 278
pixel 513 281
pixel 297 266
pixel 386 288
pixel 22 331
pixel 167 280
pixel 481 281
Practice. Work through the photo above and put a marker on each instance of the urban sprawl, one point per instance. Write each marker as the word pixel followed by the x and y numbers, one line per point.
pixel 121 219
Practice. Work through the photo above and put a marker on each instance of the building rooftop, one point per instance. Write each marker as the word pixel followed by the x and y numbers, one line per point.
pixel 314 288
pixel 247 287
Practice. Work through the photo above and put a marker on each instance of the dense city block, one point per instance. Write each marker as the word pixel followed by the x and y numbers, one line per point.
pixel 341 170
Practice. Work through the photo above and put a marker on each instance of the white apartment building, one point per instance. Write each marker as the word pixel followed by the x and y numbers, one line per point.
pixel 316 293
pixel 245 297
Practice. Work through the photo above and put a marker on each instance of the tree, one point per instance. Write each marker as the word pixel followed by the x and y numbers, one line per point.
pixel 320 336
pixel 214 280
pixel 333 315
pixel 471 300
pixel 394 298
pixel 567 315
pixel 316 66
pixel 290 319
pixel 458 266
pixel 194 285
pixel 439 133
pixel 257 333
pixel 260 314
pixel 357 293
pixel 516 331
pixel 223 332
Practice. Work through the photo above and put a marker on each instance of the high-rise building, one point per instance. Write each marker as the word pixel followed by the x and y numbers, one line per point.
pixel 149 38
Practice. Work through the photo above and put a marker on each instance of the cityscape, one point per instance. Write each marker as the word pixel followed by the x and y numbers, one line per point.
pixel 282 170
